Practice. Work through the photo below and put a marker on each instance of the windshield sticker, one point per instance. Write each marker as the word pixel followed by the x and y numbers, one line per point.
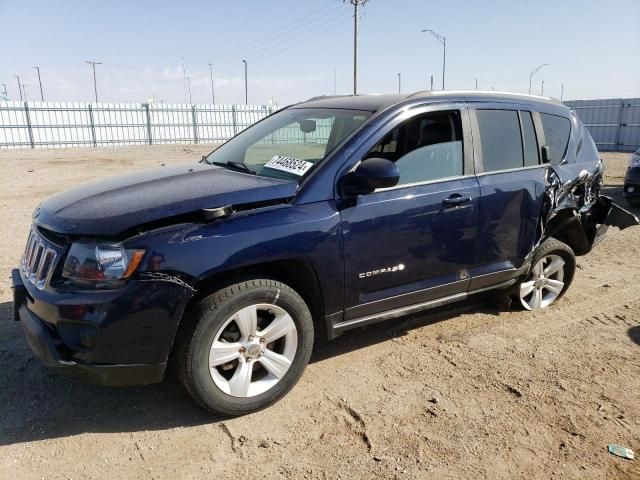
pixel 289 164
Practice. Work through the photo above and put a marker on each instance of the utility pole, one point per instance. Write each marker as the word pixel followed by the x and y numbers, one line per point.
pixel 184 80
pixel 536 70
pixel 246 88
pixel 443 41
pixel 356 4
pixel 431 87
pixel 476 83
pixel 213 95
pixel 542 89
pixel 95 85
pixel 335 82
pixel 399 83
pixel 561 91
pixel 19 86
pixel 189 88
pixel 40 83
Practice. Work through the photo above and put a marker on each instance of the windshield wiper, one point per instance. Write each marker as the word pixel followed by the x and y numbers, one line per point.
pixel 239 166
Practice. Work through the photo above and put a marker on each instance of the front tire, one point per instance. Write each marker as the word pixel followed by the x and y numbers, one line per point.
pixel 552 269
pixel 244 347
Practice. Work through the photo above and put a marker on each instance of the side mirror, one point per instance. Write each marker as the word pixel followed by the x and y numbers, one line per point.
pixel 546 154
pixel 372 173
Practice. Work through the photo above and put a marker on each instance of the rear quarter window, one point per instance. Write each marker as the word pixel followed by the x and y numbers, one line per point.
pixel 556 133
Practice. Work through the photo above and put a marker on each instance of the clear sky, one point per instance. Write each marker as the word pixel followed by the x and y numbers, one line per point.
pixel 292 47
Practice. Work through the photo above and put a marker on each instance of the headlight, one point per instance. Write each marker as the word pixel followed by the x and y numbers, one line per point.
pixel 635 161
pixel 100 263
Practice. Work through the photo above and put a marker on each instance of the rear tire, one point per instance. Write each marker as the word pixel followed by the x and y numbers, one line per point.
pixel 244 347
pixel 552 269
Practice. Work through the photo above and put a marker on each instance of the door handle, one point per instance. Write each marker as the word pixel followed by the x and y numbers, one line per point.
pixel 456 200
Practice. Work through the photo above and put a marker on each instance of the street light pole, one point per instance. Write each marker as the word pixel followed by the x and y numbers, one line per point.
pixel 537 69
pixel 24 91
pixel 19 86
pixel 246 88
pixel 4 85
pixel 561 91
pixel 213 95
pixel 476 83
pixel 542 89
pixel 399 83
pixel 189 89
pixel 95 85
pixel 40 83
pixel 443 41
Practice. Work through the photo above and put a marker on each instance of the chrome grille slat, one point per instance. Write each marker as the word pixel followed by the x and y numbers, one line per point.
pixel 32 247
pixel 38 260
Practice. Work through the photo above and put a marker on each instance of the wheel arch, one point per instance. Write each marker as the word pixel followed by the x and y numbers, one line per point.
pixel 567 227
pixel 297 273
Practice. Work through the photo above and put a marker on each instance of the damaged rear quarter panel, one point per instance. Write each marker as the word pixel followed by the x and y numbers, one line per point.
pixel 573 210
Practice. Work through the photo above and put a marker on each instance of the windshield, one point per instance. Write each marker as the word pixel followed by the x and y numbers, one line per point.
pixel 290 143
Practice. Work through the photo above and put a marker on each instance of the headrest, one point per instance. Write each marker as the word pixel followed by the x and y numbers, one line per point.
pixel 433 133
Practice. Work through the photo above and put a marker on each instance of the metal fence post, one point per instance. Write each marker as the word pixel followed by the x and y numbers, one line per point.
pixel 619 127
pixel 235 122
pixel 29 129
pixel 148 113
pixel 93 127
pixel 195 123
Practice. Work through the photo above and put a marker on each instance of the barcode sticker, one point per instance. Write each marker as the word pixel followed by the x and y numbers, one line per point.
pixel 289 164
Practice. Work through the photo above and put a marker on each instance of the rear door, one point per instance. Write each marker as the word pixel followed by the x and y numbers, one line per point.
pixel 413 242
pixel 512 184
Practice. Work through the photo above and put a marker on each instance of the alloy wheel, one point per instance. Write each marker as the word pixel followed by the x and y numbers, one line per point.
pixel 253 350
pixel 545 283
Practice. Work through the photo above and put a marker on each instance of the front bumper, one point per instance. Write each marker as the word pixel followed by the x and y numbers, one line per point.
pixel 632 182
pixel 112 338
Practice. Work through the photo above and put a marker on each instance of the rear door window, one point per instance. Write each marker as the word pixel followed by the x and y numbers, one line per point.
pixel 500 139
pixel 556 134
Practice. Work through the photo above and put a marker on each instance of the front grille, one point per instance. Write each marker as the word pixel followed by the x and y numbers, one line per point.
pixel 38 260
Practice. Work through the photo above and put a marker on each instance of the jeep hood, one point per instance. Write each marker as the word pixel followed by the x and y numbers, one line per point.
pixel 113 206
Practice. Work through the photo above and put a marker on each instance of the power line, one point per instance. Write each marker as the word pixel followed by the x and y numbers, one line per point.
pixel 284 41
pixel 291 45
pixel 294 25
pixel 265 42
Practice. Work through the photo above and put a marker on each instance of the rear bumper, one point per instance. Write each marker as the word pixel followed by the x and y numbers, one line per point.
pixel 50 342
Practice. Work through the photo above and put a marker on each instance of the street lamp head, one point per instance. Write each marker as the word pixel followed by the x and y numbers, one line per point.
pixel 440 38
pixel 537 69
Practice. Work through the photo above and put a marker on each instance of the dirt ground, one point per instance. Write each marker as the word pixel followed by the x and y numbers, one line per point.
pixel 462 392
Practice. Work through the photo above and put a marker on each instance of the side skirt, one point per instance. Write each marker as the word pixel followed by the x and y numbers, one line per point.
pixel 345 325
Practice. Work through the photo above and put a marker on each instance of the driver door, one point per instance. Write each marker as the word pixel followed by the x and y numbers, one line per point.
pixel 412 243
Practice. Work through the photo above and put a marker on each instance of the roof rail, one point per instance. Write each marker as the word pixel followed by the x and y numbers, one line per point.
pixel 323 97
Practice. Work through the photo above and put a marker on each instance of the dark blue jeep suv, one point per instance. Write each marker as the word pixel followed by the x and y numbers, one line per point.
pixel 328 215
